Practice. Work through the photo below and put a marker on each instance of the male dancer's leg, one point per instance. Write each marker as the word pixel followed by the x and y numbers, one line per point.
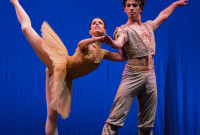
pixel 147 102
pixel 130 85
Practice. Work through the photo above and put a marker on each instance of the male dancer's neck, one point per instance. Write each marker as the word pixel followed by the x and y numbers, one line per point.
pixel 134 21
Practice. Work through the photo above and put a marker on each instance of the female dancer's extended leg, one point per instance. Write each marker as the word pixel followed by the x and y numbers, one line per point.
pixel 36 42
pixel 34 39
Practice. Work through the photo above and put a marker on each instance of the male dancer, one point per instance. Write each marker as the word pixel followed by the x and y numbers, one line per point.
pixel 137 40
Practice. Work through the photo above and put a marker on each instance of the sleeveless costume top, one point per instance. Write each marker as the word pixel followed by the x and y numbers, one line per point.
pixel 134 46
pixel 66 68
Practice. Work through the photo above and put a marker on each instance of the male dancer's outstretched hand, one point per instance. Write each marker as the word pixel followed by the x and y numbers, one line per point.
pixel 182 2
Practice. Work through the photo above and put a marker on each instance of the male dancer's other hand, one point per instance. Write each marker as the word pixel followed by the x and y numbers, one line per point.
pixel 121 27
pixel 115 32
pixel 182 2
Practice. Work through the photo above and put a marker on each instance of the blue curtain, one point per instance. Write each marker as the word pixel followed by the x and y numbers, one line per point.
pixel 22 75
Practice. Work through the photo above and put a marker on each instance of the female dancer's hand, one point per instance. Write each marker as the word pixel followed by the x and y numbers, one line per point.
pixel 102 39
pixel 108 40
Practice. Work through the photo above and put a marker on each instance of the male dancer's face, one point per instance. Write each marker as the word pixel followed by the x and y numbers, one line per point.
pixel 132 9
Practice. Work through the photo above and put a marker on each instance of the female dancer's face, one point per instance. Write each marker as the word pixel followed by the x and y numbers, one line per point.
pixel 97 27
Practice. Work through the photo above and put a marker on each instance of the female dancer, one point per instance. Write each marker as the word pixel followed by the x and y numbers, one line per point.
pixel 62 68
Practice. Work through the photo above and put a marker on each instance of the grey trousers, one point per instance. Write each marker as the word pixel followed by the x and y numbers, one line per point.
pixel 134 83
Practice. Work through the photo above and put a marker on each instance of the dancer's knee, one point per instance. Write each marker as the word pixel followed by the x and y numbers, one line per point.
pixel 52 116
pixel 25 27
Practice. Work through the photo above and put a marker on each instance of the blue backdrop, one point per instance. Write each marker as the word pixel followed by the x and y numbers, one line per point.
pixel 22 74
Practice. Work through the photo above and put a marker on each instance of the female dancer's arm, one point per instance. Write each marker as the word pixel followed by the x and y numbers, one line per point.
pixel 83 44
pixel 113 56
pixel 34 39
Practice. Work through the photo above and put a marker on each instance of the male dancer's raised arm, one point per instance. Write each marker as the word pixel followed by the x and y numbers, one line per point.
pixel 164 15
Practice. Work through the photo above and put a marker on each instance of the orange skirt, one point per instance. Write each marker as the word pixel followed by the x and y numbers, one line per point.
pixel 61 86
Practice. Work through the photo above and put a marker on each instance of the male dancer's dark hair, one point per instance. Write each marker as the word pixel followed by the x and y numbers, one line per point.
pixel 141 3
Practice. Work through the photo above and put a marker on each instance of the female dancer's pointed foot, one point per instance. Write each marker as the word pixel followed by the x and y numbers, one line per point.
pixel 14 1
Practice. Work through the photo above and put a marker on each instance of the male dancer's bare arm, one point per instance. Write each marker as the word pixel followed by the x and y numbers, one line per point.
pixel 168 11
pixel 85 42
